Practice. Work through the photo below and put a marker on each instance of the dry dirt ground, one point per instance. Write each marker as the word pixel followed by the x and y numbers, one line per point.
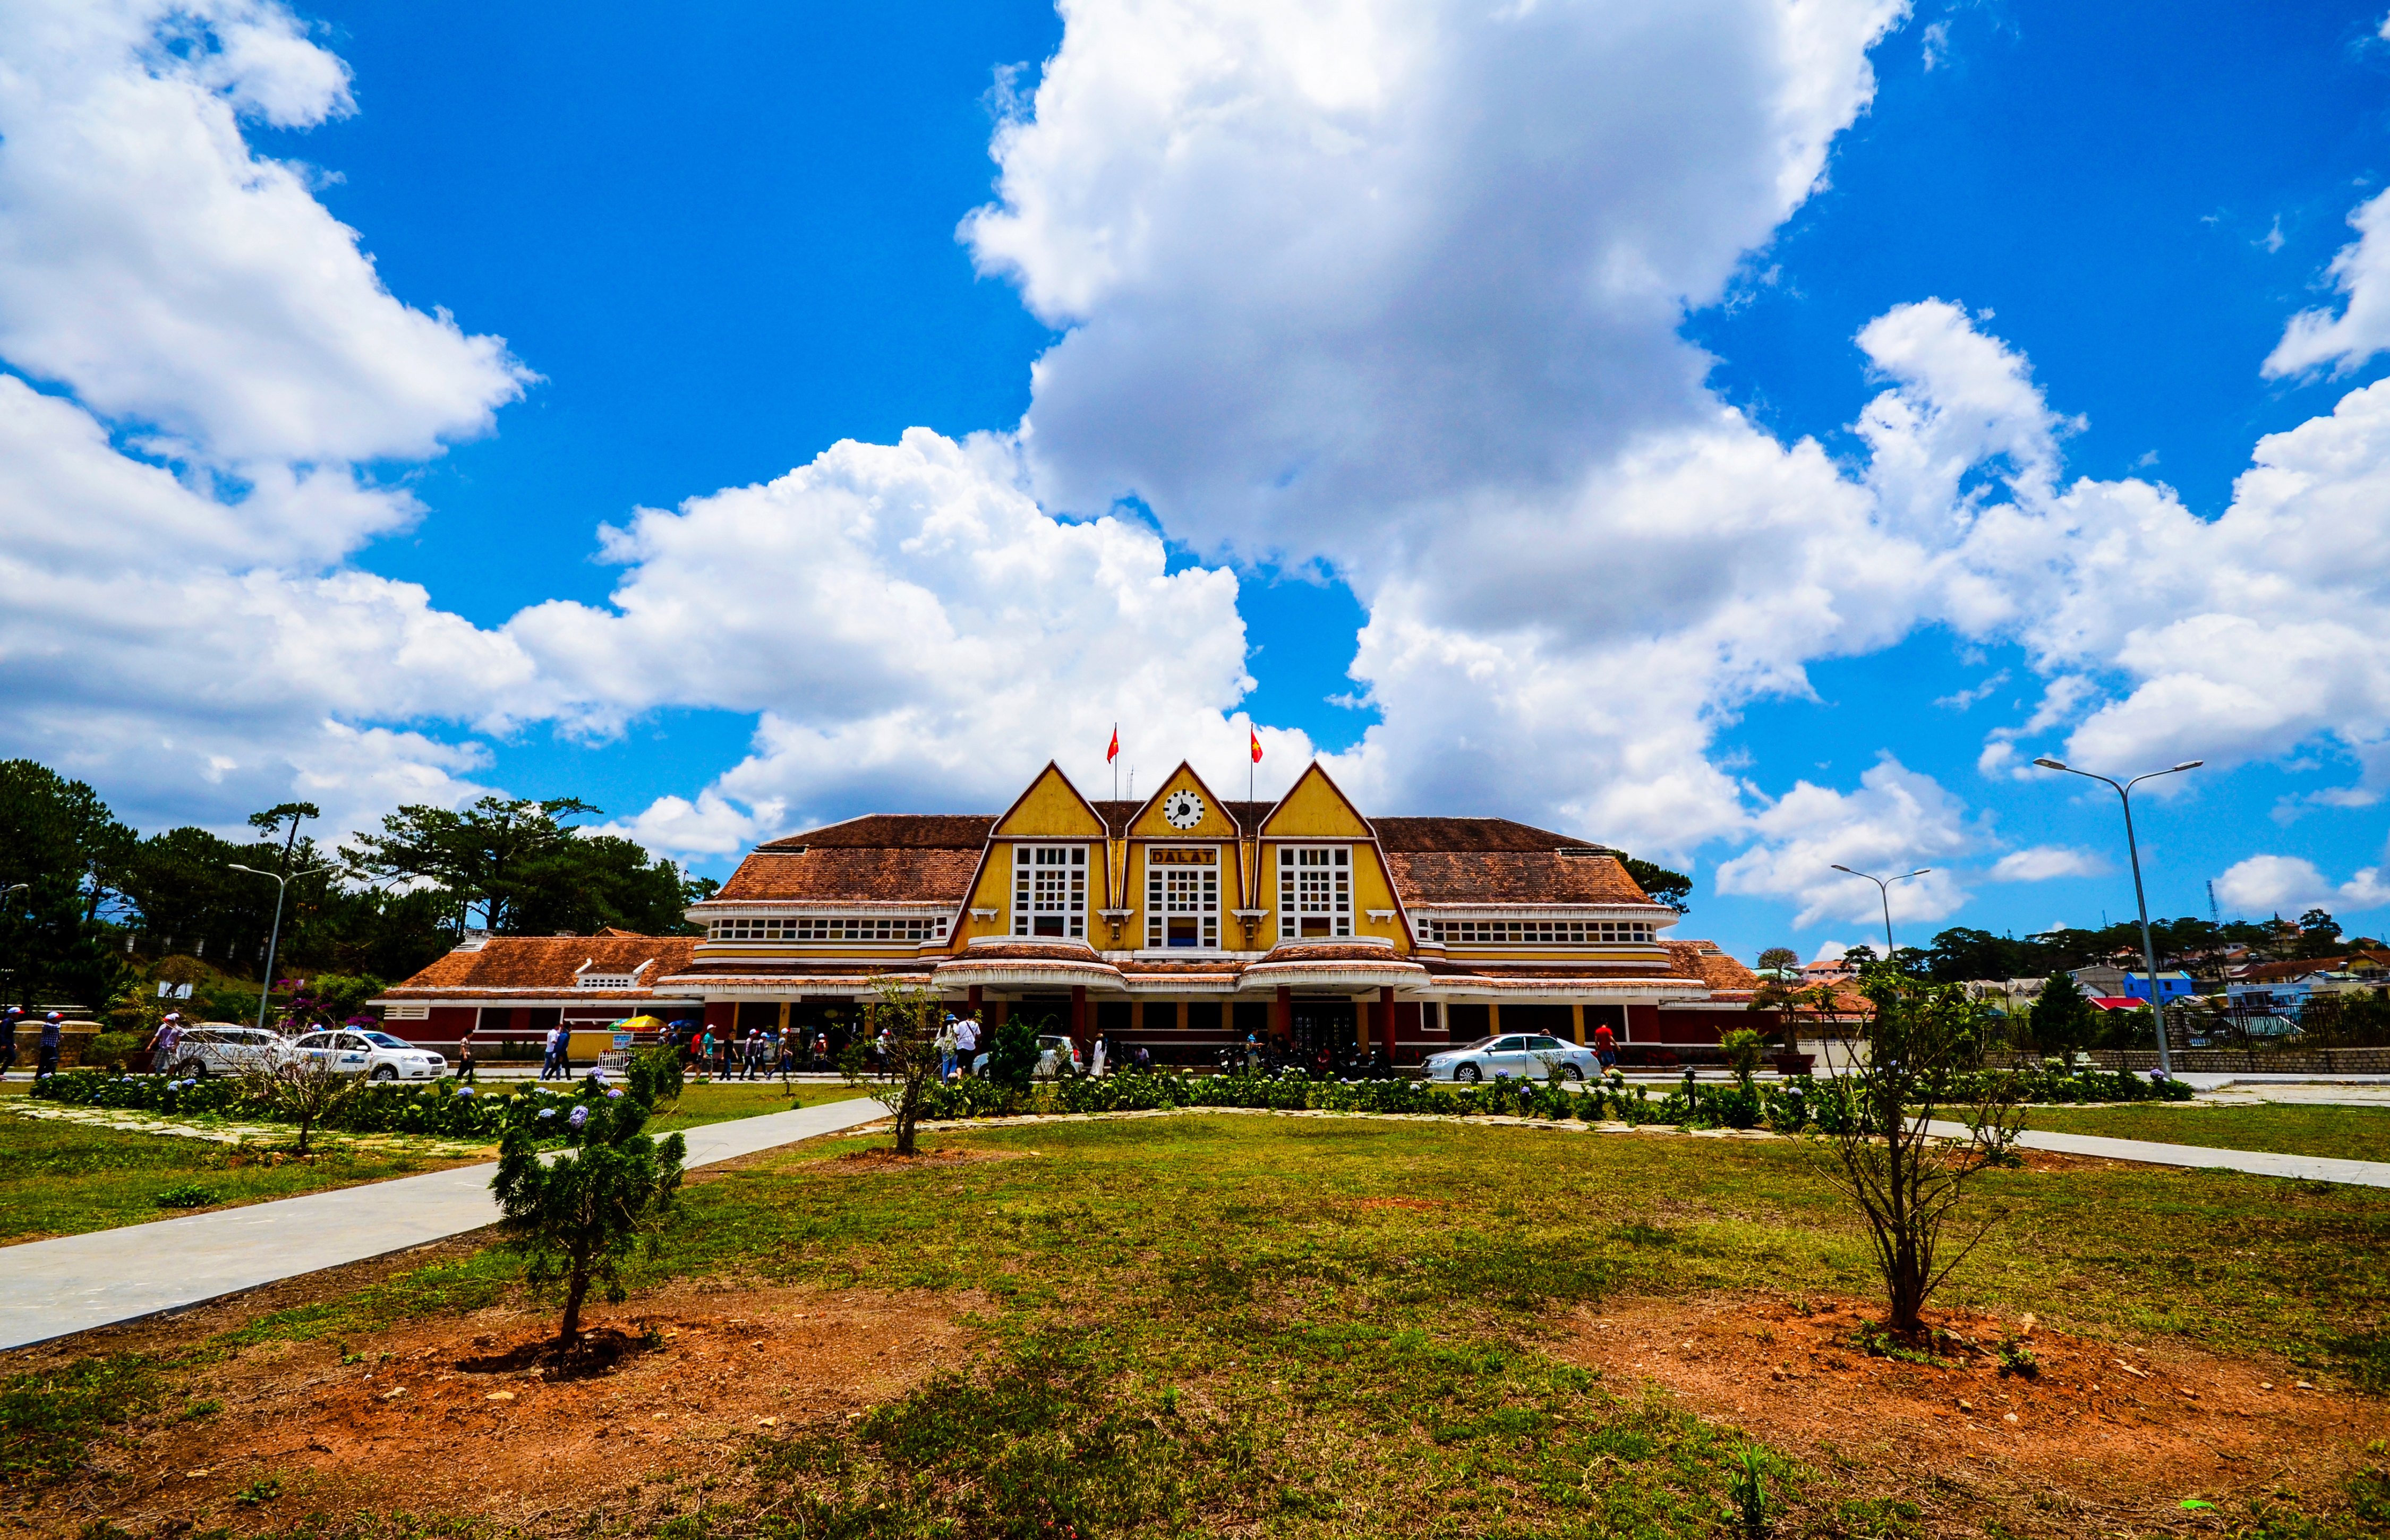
pixel 422 1418
pixel 2099 1437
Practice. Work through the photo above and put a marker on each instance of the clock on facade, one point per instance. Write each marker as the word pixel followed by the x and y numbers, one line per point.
pixel 1184 809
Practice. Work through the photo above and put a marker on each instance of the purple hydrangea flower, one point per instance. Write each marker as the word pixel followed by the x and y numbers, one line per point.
pixel 464 1090
pixel 612 1094
pixel 580 1118
pixel 548 1111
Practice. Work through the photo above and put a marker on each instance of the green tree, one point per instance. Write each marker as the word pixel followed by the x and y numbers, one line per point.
pixel 60 841
pixel 1742 1047
pixel 1908 1185
pixel 525 870
pixel 1012 1053
pixel 2318 934
pixel 2063 1020
pixel 1659 884
pixel 577 1218
pixel 1780 958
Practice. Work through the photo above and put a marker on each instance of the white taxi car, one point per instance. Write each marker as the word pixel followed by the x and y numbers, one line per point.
pixel 225 1048
pixel 375 1055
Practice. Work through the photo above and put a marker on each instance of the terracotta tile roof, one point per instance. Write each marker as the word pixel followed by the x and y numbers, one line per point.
pixel 854 874
pixel 548 962
pixel 1330 952
pixel 1703 961
pixel 1472 834
pixel 1034 951
pixel 1507 877
pixel 896 832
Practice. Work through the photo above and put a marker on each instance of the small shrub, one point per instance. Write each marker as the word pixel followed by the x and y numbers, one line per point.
pixel 576 1218
pixel 260 1492
pixel 190 1194
pixel 2017 1358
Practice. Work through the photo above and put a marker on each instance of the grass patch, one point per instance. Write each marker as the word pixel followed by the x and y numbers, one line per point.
pixel 49 1418
pixel 2334 1132
pixel 66 1179
pixel 721 1100
pixel 1296 1326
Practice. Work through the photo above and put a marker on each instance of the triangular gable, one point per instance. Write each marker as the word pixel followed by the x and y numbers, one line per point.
pixel 1050 809
pixel 1152 821
pixel 1315 808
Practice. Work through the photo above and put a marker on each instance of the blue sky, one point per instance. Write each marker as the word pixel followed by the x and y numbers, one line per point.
pixel 717 241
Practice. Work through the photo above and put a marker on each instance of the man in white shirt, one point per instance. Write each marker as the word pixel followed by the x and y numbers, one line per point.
pixel 967 1040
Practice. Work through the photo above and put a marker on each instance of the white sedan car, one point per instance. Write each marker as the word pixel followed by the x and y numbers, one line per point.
pixel 375 1055
pixel 1521 1056
pixel 222 1048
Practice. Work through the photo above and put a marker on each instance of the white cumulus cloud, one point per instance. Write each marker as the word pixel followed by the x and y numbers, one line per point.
pixel 1895 822
pixel 2042 862
pixel 2361 327
pixel 2289 886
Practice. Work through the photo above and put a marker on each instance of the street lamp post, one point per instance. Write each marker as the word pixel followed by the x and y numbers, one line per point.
pixel 1883 891
pixel 2132 848
pixel 273 937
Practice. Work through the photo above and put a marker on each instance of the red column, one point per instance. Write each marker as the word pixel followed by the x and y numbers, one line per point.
pixel 1079 1020
pixel 971 1004
pixel 1386 1019
pixel 721 1014
pixel 1282 1013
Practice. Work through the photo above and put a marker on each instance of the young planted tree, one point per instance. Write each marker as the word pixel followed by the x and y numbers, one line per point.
pixel 1909 1182
pixel 906 1020
pixel 577 1217
pixel 306 1089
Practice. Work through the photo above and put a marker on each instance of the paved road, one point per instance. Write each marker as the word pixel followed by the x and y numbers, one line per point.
pixel 51 1288
pixel 2256 1163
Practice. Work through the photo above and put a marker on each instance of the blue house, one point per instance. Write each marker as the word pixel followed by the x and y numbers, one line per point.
pixel 2172 987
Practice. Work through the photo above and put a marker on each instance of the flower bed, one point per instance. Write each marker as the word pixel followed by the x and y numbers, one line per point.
pixel 1786 1105
pixel 443 1108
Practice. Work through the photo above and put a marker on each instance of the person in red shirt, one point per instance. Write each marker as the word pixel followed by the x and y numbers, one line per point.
pixel 1605 1047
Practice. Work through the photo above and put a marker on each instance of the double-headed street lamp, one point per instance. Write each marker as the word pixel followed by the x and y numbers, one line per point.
pixel 2132 848
pixel 274 937
pixel 1883 891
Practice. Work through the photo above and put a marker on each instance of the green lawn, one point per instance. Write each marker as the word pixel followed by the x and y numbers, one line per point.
pixel 2342 1133
pixel 1293 1326
pixel 723 1100
pixel 63 1178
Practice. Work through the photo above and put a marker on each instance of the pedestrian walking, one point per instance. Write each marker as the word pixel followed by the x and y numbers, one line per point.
pixel 820 1052
pixel 788 1045
pixel 46 1063
pixel 705 1051
pixel 8 1019
pixel 465 1065
pixel 163 1042
pixel 966 1040
pixel 945 1043
pixel 754 1065
pixel 559 1065
pixel 1605 1047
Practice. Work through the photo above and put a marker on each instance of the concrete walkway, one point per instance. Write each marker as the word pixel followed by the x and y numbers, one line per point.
pixel 2256 1163
pixel 52 1287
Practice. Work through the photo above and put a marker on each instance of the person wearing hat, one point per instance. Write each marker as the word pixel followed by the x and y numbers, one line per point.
pixel 8 1019
pixel 163 1044
pixel 47 1063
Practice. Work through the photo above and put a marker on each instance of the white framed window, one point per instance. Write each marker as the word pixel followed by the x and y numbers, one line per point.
pixel 1315 891
pixel 1050 891
pixel 1537 932
pixel 817 928
pixel 1182 895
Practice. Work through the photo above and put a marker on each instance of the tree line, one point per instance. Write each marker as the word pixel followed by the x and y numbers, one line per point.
pixel 84 896
pixel 1962 954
